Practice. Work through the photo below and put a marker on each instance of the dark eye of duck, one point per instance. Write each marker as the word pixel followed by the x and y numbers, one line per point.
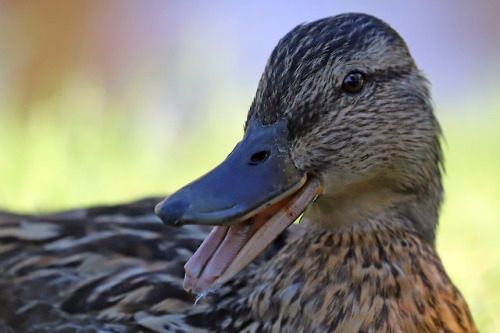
pixel 259 157
pixel 353 82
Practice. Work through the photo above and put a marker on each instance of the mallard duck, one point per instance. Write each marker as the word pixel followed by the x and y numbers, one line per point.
pixel 342 136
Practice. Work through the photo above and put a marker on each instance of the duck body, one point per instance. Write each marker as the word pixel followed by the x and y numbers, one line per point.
pixel 341 134
pixel 116 269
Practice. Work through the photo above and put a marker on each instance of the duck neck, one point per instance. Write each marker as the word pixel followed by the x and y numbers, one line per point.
pixel 371 204
pixel 317 279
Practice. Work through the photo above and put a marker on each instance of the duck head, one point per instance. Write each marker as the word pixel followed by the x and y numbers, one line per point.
pixel 342 115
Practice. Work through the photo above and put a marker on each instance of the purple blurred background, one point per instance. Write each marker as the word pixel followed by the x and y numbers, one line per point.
pixel 168 58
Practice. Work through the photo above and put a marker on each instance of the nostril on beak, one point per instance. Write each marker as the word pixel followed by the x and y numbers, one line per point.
pixel 259 157
pixel 171 212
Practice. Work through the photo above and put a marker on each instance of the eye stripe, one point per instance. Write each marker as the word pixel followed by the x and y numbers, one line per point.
pixel 389 74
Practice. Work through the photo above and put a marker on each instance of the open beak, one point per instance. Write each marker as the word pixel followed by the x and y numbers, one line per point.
pixel 251 198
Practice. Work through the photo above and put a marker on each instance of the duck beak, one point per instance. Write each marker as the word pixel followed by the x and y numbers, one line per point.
pixel 252 197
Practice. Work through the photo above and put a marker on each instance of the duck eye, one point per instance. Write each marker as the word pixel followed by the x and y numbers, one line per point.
pixel 353 82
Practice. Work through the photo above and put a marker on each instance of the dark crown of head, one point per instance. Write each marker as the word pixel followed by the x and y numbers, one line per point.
pixel 311 48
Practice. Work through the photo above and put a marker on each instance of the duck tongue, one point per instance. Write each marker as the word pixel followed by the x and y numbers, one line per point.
pixel 229 249
pixel 214 256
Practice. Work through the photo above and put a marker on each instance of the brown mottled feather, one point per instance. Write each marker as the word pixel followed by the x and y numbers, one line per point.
pixel 364 278
pixel 362 260
pixel 102 269
pixel 86 270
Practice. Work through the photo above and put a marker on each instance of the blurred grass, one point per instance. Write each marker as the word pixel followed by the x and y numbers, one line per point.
pixel 94 154
pixel 468 235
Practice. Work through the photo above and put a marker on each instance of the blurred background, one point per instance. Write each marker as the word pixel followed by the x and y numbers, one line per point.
pixel 111 101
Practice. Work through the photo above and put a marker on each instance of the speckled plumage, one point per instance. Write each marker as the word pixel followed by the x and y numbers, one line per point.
pixel 83 270
pixel 362 260
pixel 366 278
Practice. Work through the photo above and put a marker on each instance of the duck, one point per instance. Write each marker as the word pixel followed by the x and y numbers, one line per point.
pixel 322 219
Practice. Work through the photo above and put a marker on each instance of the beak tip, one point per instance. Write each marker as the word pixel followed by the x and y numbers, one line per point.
pixel 171 212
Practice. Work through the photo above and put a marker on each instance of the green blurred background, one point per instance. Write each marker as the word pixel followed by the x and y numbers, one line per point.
pixel 111 101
